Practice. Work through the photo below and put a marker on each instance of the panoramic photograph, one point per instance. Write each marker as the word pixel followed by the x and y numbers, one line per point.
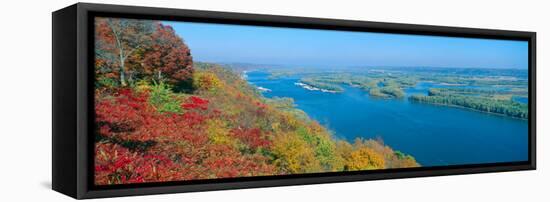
pixel 182 101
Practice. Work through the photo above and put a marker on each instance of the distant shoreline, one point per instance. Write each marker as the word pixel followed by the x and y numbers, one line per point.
pixel 471 109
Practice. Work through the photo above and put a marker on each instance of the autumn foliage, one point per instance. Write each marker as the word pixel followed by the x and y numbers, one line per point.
pixel 168 57
pixel 147 130
pixel 128 50
pixel 139 144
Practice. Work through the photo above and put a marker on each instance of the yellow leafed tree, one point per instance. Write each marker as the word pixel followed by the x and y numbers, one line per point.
pixel 365 158
pixel 294 154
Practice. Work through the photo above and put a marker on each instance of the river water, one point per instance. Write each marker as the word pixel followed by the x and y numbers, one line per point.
pixel 434 135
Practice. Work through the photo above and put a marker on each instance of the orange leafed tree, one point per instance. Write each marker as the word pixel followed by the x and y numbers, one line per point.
pixel 168 58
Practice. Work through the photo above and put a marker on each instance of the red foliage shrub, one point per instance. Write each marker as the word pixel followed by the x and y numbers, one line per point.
pixel 117 165
pixel 130 117
pixel 121 114
pixel 195 102
pixel 251 137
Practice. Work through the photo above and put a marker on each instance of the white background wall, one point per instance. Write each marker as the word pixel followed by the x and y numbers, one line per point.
pixel 25 99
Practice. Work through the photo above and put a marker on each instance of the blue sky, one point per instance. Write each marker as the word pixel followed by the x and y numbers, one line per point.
pixel 290 46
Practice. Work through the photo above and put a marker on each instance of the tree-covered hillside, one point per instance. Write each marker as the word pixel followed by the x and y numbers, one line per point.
pixel 162 117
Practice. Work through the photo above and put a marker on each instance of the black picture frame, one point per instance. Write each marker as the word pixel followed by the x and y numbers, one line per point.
pixel 73 110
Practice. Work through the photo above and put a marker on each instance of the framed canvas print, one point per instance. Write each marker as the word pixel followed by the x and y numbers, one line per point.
pixel 154 100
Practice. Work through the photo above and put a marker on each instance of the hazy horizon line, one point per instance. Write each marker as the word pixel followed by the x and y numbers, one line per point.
pixel 362 66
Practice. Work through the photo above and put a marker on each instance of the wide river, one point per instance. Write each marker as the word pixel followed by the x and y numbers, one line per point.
pixel 434 135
